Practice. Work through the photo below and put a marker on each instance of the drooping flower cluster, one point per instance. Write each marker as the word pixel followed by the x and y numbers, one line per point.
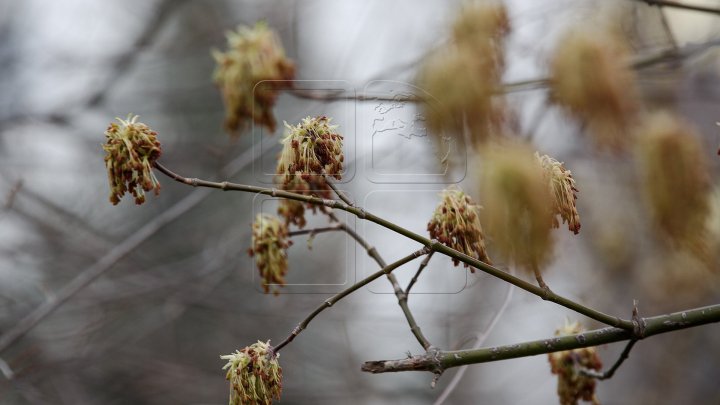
pixel 311 151
pixel 456 224
pixel 254 55
pixel 572 385
pixel 255 375
pixel 131 149
pixel 517 204
pixel 269 247
pixel 675 178
pixel 590 78
pixel 463 77
pixel 562 186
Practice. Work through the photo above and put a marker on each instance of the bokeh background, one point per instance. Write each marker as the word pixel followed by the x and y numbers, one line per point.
pixel 147 297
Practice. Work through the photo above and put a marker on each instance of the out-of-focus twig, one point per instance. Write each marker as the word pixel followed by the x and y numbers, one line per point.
pixel 106 262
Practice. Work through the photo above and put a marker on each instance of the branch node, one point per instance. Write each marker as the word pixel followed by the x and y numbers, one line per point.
pixel 194 182
pixel 639 324
pixel 273 192
pixel 224 185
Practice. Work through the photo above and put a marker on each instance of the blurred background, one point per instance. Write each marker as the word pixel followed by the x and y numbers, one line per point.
pixel 146 298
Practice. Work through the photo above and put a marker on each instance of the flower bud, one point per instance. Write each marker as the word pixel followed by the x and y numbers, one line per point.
pixel 253 55
pixel 562 189
pixel 456 224
pixel 255 375
pixel 269 247
pixel 572 385
pixel 131 149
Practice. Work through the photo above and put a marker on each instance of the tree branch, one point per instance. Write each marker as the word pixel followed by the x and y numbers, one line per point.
pixel 334 299
pixel 444 360
pixel 683 6
pixel 422 266
pixel 432 244
pixel 609 373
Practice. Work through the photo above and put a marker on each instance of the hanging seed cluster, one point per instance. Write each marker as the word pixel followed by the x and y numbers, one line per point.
pixel 255 375
pixel 254 55
pixel 269 247
pixel 572 385
pixel 456 224
pixel 563 190
pixel 131 148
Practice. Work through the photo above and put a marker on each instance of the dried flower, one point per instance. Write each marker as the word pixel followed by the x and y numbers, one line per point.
pixel 572 385
pixel 269 246
pixel 456 224
pixel 562 188
pixel 591 80
pixel 131 149
pixel 463 77
pixel 518 205
pixel 255 375
pixel 254 55
pixel 675 178
pixel 311 151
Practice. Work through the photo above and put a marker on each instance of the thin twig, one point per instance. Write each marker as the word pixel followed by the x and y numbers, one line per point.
pixel 609 373
pixel 337 297
pixel 422 266
pixel 105 263
pixel 434 245
pixel 443 360
pixel 315 231
pixel 675 4
pixel 339 193
pixel 480 340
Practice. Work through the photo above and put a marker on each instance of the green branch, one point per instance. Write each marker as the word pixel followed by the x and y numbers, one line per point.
pixel 442 360
pixel 431 244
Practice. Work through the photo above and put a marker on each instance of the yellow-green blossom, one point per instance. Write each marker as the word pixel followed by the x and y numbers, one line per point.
pixel 255 375
pixel 131 149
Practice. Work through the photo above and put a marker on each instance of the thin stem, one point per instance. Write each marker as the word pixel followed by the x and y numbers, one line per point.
pixel 440 361
pixel 339 193
pixel 609 373
pixel 478 343
pixel 315 231
pixel 433 245
pixel 422 266
pixel 337 297
pixel 399 293
pixel 675 4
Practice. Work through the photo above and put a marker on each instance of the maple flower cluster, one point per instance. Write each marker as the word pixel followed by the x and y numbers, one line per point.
pixel 562 186
pixel 254 55
pixel 573 386
pixel 131 149
pixel 311 151
pixel 456 224
pixel 255 375
pixel 463 77
pixel 269 247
